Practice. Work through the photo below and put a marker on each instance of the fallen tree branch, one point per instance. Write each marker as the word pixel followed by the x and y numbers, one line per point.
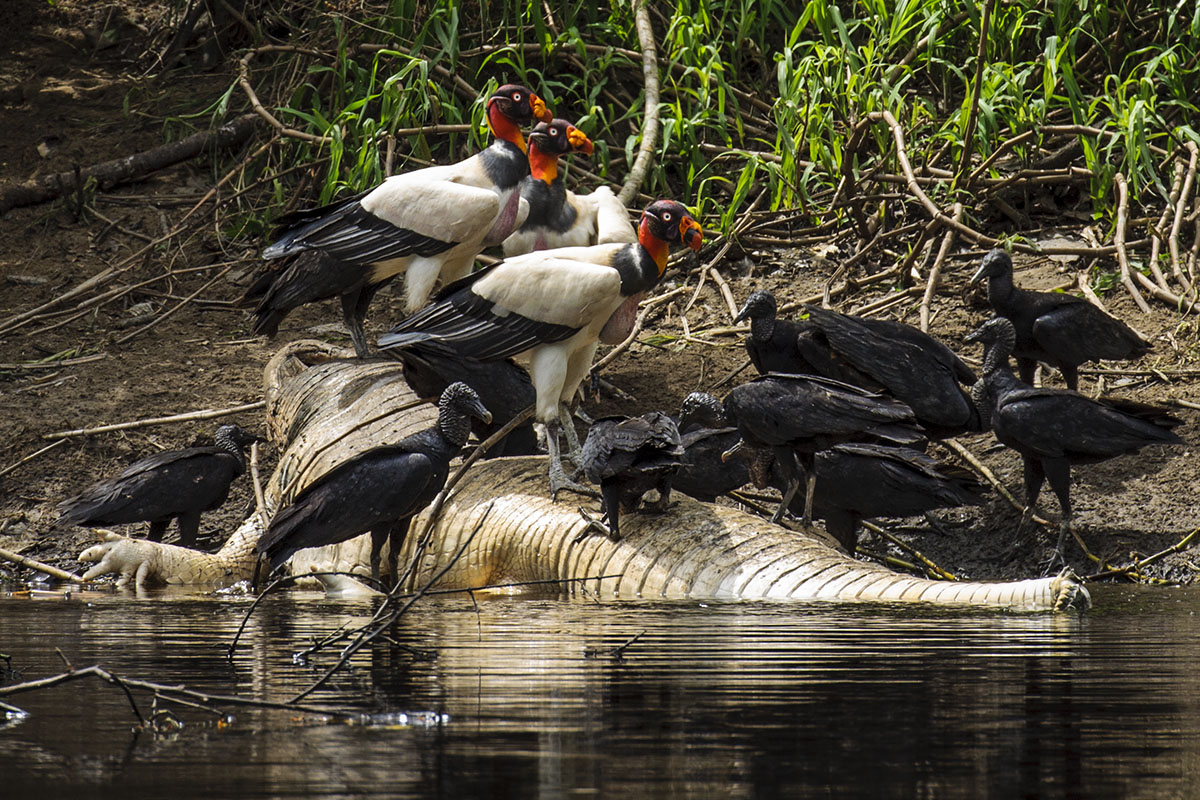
pixel 1138 566
pixel 53 572
pixel 649 143
pixel 1119 241
pixel 127 168
pixel 936 270
pixel 190 416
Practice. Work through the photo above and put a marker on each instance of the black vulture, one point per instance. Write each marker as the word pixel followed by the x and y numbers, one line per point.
pixel 174 484
pixel 629 456
pixel 503 387
pixel 425 224
pixel 797 416
pixel 1055 428
pixel 379 491
pixel 1058 329
pixel 857 481
pixel 911 365
pixel 790 346
pixel 553 305
pixel 704 434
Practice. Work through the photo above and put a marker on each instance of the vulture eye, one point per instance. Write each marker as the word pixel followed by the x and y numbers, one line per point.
pixel 516 96
pixel 554 131
pixel 666 216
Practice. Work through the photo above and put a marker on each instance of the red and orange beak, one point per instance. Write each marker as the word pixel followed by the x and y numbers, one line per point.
pixel 690 232
pixel 579 140
pixel 540 112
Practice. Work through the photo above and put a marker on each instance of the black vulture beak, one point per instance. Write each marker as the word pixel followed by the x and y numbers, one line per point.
pixel 733 451
pixel 978 276
pixel 741 315
pixel 974 336
pixel 482 413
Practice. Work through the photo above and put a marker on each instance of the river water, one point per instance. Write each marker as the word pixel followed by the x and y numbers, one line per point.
pixel 521 697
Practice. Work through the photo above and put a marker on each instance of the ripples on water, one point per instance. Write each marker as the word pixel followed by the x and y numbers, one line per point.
pixel 716 700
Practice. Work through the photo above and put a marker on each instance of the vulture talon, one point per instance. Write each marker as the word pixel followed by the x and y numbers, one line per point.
pixel 593 524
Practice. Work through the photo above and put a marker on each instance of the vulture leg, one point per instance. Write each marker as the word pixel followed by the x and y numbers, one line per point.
pixel 664 497
pixel 378 538
pixel 1070 374
pixel 1025 369
pixel 189 527
pixel 558 476
pixel 574 451
pixel 1058 472
pixel 788 462
pixel 354 309
pixel 1035 476
pixel 395 539
pixel 158 528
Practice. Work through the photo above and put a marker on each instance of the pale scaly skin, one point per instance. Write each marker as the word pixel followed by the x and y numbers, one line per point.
pixel 322 411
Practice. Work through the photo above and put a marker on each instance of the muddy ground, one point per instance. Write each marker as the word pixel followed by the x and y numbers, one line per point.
pixel 71 94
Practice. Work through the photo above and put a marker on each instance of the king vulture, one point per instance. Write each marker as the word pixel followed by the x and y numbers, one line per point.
pixel 557 217
pixel 429 223
pixel 552 305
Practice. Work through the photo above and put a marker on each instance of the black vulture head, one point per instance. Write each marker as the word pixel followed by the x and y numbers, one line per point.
pixel 759 305
pixel 998 337
pixel 996 263
pixel 234 437
pixel 701 408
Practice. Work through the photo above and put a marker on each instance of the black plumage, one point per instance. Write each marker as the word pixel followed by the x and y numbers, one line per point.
pixel 911 365
pixel 174 484
pixel 792 346
pixel 857 481
pixel 503 387
pixel 1054 428
pixel 796 416
pixel 704 434
pixel 629 456
pixel 380 490
pixel 1058 329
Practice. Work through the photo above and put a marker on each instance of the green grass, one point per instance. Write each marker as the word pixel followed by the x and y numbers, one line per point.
pixel 815 68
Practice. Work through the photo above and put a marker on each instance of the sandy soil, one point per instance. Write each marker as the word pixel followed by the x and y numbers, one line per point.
pixel 62 95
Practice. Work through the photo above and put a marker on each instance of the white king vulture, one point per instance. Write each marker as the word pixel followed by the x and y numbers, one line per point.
pixel 552 305
pixel 557 217
pixel 427 224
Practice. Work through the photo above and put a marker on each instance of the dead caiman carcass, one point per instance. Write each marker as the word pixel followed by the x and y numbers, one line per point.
pixel 322 410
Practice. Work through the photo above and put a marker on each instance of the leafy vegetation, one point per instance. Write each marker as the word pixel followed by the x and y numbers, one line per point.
pixel 772 98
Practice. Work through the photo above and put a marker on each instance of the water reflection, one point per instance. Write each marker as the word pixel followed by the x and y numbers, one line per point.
pixel 734 700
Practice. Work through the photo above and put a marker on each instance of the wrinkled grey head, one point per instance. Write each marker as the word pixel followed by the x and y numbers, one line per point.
pixel 998 337
pixel 701 408
pixel 996 329
pixel 997 262
pixel 759 305
pixel 460 400
pixel 232 437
